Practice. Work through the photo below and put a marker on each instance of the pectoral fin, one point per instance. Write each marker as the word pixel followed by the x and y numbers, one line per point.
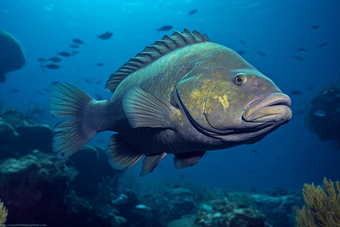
pixel 150 163
pixel 121 155
pixel 187 159
pixel 144 109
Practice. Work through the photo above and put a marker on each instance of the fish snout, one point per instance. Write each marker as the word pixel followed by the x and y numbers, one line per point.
pixel 271 108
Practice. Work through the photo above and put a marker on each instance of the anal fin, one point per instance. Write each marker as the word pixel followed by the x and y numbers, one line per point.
pixel 187 159
pixel 150 163
pixel 121 155
pixel 144 109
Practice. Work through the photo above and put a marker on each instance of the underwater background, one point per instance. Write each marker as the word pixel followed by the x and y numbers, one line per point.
pixel 295 43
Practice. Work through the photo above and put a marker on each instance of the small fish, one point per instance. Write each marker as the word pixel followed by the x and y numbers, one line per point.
pixel 310 88
pixel 47 90
pixel 74 46
pixel 320 113
pixel 165 28
pixel 77 41
pixel 255 151
pixel 241 52
pixel 315 27
pixel 302 50
pixel 106 35
pixel 88 81
pixel 241 41
pixel 64 54
pixel 261 53
pixel 55 82
pixel 40 93
pixel 41 60
pixel 15 91
pixel 193 12
pixel 55 59
pixel 50 66
pixel 99 64
pixel 298 58
pixel 296 92
pixel 322 45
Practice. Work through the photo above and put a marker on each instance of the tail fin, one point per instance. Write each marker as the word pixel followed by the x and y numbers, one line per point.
pixel 67 100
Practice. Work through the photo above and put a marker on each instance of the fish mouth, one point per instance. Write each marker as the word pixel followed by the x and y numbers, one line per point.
pixel 271 108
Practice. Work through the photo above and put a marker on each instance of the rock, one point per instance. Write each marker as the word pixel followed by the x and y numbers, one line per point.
pixel 8 137
pixel 33 188
pixel 280 209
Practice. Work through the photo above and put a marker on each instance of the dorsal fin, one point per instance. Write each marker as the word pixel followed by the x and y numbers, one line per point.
pixel 153 52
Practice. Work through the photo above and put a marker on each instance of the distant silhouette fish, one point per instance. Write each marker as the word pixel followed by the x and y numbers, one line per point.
pixel 302 50
pixel 99 64
pixel 74 46
pixel 241 52
pixel 193 12
pixel 98 96
pixel 77 41
pixel 315 27
pixel 165 28
pixel 322 45
pixel 55 59
pixel 261 53
pixel 320 113
pixel 47 90
pixel 88 81
pixel 15 91
pixel 241 41
pixel 296 92
pixel 298 58
pixel 64 54
pixel 50 66
pixel 106 35
pixel 55 82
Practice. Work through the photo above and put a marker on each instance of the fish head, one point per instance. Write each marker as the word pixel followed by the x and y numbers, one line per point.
pixel 232 101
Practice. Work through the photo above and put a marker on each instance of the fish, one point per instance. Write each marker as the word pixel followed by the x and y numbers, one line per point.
pixel 322 45
pixel 193 12
pixel 241 52
pixel 261 53
pixel 55 82
pixel 302 50
pixel 98 96
pixel 47 90
pixel 55 59
pixel 88 81
pixel 50 66
pixel 183 95
pixel 315 27
pixel 310 88
pixel 320 113
pixel 99 64
pixel 165 28
pixel 77 41
pixel 64 54
pixel 106 35
pixel 255 151
pixel 296 92
pixel 74 46
pixel 241 41
pixel 15 91
pixel 298 58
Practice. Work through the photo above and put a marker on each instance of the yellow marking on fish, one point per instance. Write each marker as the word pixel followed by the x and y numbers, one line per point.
pixel 224 101
pixel 264 88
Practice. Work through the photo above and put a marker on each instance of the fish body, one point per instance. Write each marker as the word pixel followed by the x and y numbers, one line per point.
pixel 64 54
pixel 74 46
pixel 106 35
pixel 50 66
pixel 77 41
pixel 55 59
pixel 165 28
pixel 193 12
pixel 183 95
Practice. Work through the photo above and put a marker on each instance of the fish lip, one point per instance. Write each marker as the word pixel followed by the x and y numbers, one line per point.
pixel 271 100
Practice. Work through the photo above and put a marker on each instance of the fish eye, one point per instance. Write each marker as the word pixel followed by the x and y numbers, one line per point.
pixel 239 79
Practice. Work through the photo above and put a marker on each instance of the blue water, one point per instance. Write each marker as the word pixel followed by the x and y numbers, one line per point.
pixel 287 158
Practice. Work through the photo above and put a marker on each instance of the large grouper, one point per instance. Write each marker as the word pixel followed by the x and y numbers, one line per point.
pixel 182 95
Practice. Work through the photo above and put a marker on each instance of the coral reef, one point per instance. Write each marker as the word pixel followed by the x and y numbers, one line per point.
pixel 322 206
pixel 3 213
pixel 322 115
